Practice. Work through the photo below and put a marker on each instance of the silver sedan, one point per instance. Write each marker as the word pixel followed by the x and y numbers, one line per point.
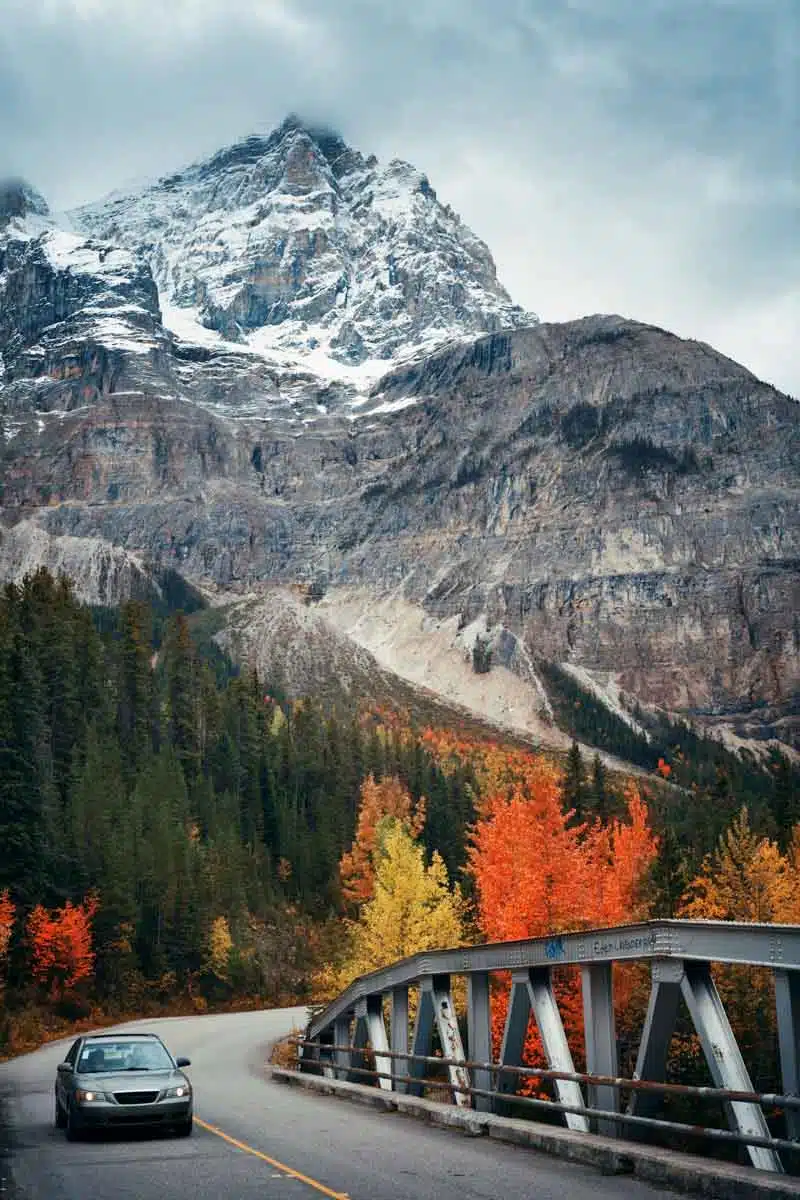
pixel 117 1080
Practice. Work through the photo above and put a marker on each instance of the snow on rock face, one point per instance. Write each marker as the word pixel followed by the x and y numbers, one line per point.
pixel 295 244
pixel 77 315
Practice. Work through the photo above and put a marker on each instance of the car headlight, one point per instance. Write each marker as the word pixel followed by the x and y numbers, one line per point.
pixel 86 1097
pixel 177 1093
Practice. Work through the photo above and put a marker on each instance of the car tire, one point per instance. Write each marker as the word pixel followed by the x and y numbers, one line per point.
pixel 61 1120
pixel 71 1125
pixel 185 1128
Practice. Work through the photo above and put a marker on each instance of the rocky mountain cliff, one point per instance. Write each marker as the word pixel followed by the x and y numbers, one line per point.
pixel 291 365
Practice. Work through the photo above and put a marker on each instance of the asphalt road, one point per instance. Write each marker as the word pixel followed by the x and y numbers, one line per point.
pixel 258 1139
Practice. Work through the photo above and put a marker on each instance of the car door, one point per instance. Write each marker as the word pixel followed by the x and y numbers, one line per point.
pixel 66 1073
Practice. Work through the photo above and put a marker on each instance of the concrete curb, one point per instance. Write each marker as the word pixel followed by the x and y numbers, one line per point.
pixel 665 1168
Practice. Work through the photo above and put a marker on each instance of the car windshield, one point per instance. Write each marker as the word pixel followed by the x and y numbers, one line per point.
pixel 123 1056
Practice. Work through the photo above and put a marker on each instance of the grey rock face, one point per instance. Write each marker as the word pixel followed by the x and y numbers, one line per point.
pixel 78 319
pixel 598 493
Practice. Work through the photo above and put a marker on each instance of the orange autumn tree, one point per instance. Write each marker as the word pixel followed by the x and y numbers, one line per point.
pixel 7 910
pixel 61 945
pixel 379 800
pixel 536 874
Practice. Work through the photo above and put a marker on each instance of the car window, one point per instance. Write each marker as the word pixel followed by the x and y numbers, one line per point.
pixel 123 1056
pixel 73 1052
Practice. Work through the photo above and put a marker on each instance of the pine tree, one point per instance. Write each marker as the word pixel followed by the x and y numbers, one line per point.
pixel 573 788
pixel 136 703
pixel 183 695
pixel 600 799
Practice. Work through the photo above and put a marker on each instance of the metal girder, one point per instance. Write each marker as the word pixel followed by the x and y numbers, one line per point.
pixel 556 1047
pixel 422 1040
pixel 450 1038
pixel 601 1041
pixel 341 1038
pixel 479 1035
pixel 533 990
pixel 399 1027
pixel 700 941
pixel 516 1028
pixel 369 1012
pixel 787 1004
pixel 659 1026
pixel 360 1039
pixel 724 1059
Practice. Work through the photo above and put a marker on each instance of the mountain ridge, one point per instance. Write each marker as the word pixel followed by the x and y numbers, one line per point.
pixel 600 494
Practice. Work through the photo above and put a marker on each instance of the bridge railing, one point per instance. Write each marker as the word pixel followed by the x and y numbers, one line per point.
pixel 680 954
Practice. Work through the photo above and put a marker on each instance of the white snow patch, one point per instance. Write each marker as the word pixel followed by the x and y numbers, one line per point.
pixel 71 252
pixel 116 335
pixel 390 406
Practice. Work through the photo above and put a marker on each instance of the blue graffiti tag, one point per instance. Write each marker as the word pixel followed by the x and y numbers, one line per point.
pixel 554 948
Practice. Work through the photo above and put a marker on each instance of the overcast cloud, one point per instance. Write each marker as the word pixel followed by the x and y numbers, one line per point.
pixel 631 156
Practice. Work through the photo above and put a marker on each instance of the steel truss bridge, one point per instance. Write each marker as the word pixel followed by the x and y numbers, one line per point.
pixel 680 954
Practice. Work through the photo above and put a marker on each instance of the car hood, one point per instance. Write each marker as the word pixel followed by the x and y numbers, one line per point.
pixel 131 1081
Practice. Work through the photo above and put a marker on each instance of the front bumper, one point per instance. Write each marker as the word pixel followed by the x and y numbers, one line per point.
pixel 99 1114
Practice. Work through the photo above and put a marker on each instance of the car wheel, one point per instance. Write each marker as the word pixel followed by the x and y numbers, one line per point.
pixel 71 1124
pixel 61 1120
pixel 185 1128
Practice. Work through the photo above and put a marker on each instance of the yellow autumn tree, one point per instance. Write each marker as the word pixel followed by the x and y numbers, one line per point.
pixel 413 907
pixel 220 944
pixel 747 878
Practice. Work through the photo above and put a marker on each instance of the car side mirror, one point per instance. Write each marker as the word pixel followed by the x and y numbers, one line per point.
pixel 64 1066
pixel 182 1062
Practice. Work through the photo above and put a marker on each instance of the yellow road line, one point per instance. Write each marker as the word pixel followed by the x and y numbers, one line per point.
pixel 273 1162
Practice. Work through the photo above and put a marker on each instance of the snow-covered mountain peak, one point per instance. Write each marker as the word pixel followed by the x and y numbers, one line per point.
pixel 284 276
pixel 18 199
pixel 296 244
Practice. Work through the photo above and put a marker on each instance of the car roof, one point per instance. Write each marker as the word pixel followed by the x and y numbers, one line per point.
pixel 120 1037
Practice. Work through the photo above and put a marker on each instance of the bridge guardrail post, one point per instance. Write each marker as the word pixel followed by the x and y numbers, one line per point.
pixel 342 1057
pixel 369 1013
pixel 725 1060
pixel 422 1040
pixel 516 1029
pixel 359 1044
pixel 479 1034
pixel 450 1039
pixel 601 1040
pixel 659 1025
pixel 399 1035
pixel 554 1040
pixel 787 1003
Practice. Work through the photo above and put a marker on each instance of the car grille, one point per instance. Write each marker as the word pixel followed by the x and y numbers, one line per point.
pixel 135 1097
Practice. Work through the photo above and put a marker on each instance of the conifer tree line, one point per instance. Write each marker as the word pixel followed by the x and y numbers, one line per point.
pixel 711 781
pixel 130 771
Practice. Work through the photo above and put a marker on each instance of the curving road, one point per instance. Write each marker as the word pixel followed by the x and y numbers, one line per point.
pixel 257 1139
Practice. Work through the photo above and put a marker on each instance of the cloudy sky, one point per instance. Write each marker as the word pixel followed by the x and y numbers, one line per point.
pixel 631 156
